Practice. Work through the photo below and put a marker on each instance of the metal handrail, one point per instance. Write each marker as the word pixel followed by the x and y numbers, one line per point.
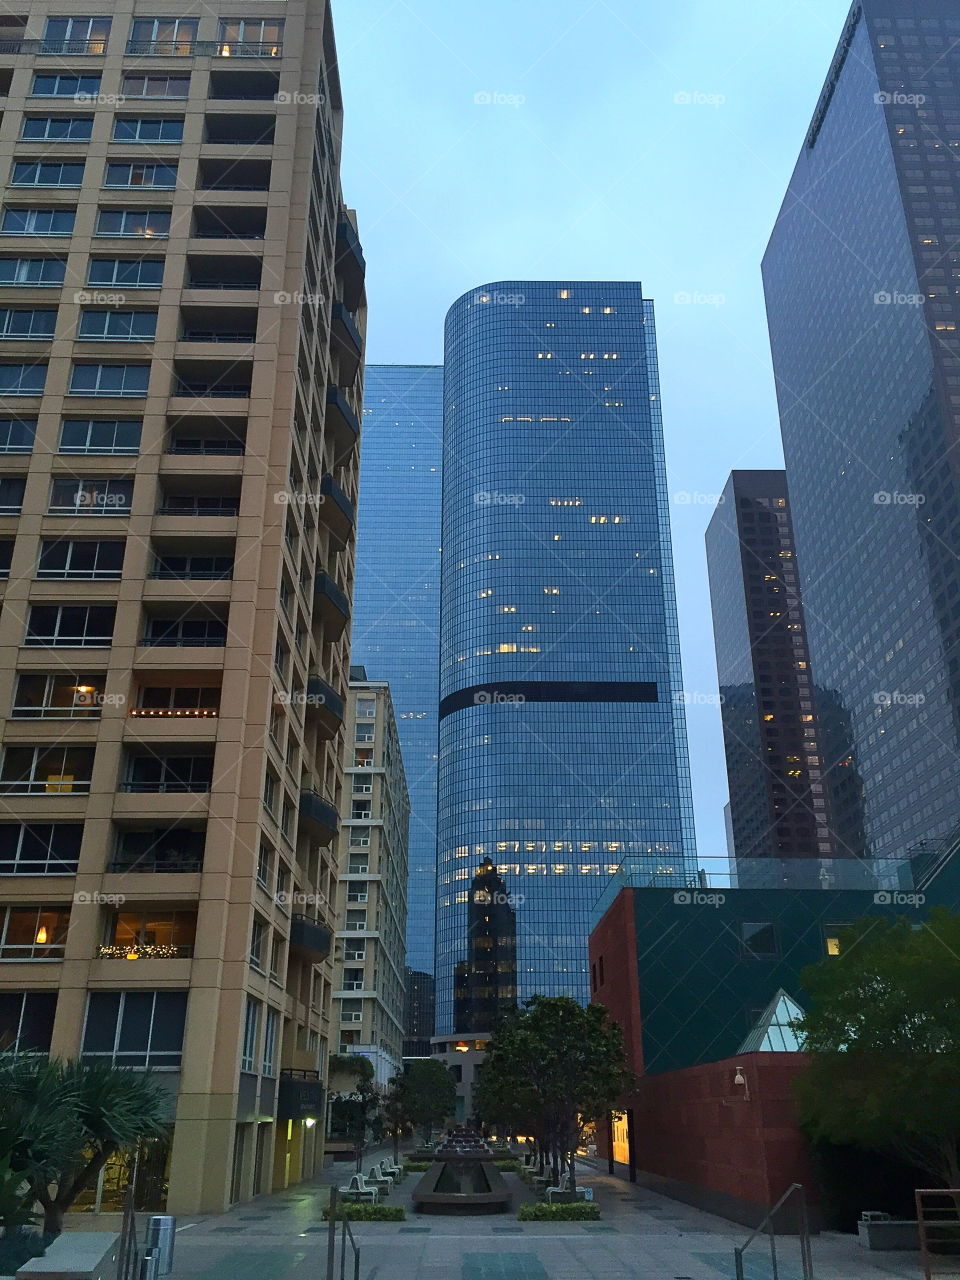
pixel 346 1233
pixel 806 1253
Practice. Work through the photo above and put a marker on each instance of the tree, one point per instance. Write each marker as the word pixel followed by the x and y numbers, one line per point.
pixel 428 1094
pixel 883 1038
pixel 394 1114
pixel 61 1122
pixel 355 1110
pixel 552 1067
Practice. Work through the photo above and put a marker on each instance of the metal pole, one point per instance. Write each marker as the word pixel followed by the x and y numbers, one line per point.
pixel 332 1234
pixel 343 1248
pixel 806 1249
pixel 738 1262
pixel 773 1251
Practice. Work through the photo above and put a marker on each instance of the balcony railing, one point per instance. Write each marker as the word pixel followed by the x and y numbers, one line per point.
pixel 208 448
pixel 45 787
pixel 182 713
pixel 201 49
pixel 300 1095
pixel 54 46
pixel 221 390
pixel 310 936
pixel 165 788
pixel 145 951
pixel 210 335
pixel 159 862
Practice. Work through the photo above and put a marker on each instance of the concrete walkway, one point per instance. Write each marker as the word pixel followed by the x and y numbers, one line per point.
pixel 642 1236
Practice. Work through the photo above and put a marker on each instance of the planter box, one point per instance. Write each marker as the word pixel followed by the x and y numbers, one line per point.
pixel 896 1233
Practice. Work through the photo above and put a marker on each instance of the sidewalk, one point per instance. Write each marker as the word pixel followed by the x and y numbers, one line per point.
pixel 642 1236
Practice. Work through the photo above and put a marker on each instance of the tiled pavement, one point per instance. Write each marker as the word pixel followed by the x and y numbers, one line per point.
pixel 642 1236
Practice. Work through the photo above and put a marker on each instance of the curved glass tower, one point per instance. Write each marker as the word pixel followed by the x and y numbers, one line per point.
pixel 562 737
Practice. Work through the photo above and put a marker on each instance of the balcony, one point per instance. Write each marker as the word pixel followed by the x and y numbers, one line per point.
pixel 243 86
pixel 222 272
pixel 203 49
pixel 350 265
pixel 300 1095
pixel 331 605
pixel 325 705
pixel 310 937
pixel 227 223
pixel 144 951
pixel 347 344
pixel 341 421
pixel 233 175
pixel 212 379
pixel 336 511
pixel 218 324
pixel 239 130
pixel 319 816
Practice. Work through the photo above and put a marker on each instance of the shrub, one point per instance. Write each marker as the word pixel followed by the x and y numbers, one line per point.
pixel 367 1212
pixel 416 1166
pixel 508 1166
pixel 580 1211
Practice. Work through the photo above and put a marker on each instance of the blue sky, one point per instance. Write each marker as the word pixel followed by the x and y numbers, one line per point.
pixel 620 139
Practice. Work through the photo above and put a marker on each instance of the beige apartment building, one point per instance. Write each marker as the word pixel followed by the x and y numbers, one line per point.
pixel 181 350
pixel 369 997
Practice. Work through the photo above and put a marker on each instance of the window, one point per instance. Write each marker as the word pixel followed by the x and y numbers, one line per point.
pixel 38 222
pixel 270 786
pixel 135 1028
pixel 353 980
pixel 251 1034
pixel 17 434
pixel 248 37
pixel 33 933
pixel 22 379
pixel 76 35
pixel 93 496
pixel 46 770
pixel 163 935
pixel 264 865
pixel 169 774
pixel 100 435
pixel 360 809
pixel 258 942
pixel 80 88
pixel 162 36
pixel 109 379
pixel 200 632
pixel 27 324
pixel 351 1010
pixel 26 1020
pixel 357 891
pixel 6 556
pixel 118 326
pixel 276 958
pixel 32 271
pixel 162 176
pixel 148 129
pixel 366 708
pixel 133 223
pixel 270 1024
pixel 57 695
pixel 171 566
pixel 40 848
pixel 11 494
pixel 81 560
pixel 155 86
pixel 134 273
pixel 759 940
pixel 356 921
pixel 58 626
pixel 56 129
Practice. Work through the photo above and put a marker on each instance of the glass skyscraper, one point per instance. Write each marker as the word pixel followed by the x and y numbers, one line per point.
pixel 396 600
pixel 562 733
pixel 862 280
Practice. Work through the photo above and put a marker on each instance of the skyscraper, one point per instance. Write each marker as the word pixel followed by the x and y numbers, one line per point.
pixel 180 412
pixel 562 733
pixel 397 606
pixel 777 804
pixel 862 281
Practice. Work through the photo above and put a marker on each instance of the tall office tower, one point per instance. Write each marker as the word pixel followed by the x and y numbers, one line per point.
pixel 396 619
pixel 418 1018
pixel 777 804
pixel 862 280
pixel 182 295
pixel 369 994
pixel 562 732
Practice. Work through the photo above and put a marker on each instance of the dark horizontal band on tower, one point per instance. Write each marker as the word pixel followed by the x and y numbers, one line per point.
pixel 507 692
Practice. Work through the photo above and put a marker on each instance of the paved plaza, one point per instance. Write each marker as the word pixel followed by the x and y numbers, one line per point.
pixel 642 1236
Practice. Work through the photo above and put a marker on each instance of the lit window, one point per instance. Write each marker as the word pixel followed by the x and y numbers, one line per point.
pixel 563 293
pixel 506 648
pixel 551 591
pixel 833 946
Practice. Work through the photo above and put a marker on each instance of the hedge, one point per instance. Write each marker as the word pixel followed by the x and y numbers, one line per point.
pixel 579 1211
pixel 365 1212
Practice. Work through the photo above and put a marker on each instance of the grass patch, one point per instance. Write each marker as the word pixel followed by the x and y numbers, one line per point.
pixel 367 1212
pixel 416 1166
pixel 580 1211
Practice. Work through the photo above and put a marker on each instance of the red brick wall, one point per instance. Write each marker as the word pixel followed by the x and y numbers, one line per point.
pixel 614 942
pixel 696 1126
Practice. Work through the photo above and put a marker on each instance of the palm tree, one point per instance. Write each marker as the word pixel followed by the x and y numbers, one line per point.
pixel 61 1122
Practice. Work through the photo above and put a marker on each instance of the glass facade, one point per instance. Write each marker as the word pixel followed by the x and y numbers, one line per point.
pixel 774 771
pixel 562 734
pixel 861 279
pixel 396 598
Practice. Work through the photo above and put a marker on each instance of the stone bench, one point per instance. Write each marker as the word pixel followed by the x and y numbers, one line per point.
pixel 76 1255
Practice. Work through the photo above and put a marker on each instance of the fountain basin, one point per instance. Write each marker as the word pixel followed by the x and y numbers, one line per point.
pixel 462 1184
